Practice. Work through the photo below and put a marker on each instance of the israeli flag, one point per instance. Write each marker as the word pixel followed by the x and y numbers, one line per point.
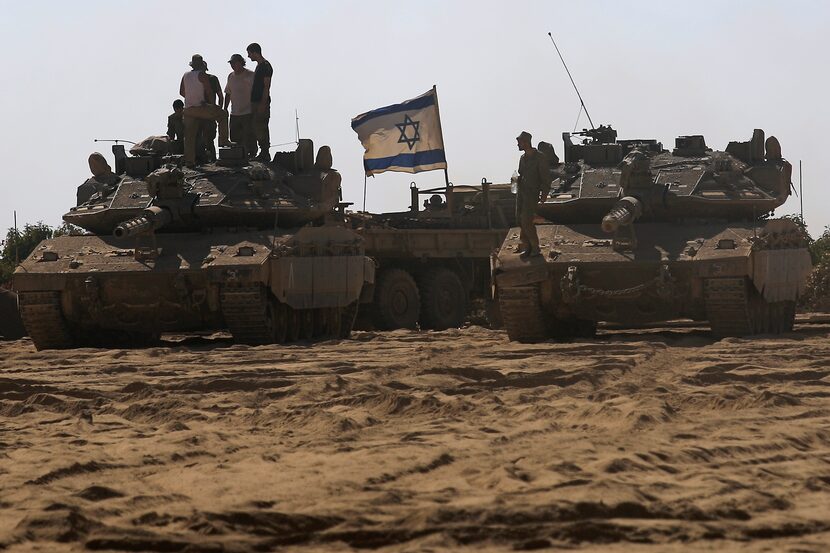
pixel 402 137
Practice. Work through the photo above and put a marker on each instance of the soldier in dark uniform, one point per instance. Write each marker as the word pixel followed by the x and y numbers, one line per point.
pixel 533 186
pixel 175 128
pixel 209 127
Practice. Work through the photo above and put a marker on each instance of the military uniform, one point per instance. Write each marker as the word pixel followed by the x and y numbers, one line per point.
pixel 262 115
pixel 175 132
pixel 534 178
pixel 196 109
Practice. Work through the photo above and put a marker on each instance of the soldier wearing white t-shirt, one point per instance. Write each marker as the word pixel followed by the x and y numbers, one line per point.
pixel 194 88
pixel 238 95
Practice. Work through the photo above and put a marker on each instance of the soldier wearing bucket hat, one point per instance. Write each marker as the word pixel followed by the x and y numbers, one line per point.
pixel 534 177
pixel 196 89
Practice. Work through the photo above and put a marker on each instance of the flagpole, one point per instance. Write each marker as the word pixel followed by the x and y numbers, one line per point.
pixel 365 178
pixel 441 129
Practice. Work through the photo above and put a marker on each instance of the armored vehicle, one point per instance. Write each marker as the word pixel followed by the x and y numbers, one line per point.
pixel 433 260
pixel 255 248
pixel 634 233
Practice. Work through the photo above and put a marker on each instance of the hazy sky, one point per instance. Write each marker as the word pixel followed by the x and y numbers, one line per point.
pixel 75 71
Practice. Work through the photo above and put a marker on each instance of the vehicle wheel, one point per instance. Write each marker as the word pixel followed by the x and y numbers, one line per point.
pixel 397 301
pixel 443 300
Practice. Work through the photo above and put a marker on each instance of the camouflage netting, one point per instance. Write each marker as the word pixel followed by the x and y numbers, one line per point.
pixel 817 296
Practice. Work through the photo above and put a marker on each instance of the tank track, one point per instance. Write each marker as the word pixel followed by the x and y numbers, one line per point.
pixel 727 306
pixel 521 311
pixel 245 309
pixel 348 316
pixel 43 319
pixel 735 309
pixel 255 318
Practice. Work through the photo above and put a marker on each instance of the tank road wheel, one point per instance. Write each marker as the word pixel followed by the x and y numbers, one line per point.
pixel 397 302
pixel 251 314
pixel 443 300
pixel 43 319
pixel 521 310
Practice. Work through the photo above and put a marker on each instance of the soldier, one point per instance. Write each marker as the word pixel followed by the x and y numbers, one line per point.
pixel 175 128
pixel 533 186
pixel 209 127
pixel 196 89
pixel 238 96
pixel 261 99
pixel 102 181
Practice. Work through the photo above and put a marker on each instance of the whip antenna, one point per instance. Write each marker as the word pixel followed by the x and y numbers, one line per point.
pixel 572 80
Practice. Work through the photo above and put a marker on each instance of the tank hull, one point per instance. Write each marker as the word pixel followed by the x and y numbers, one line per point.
pixel 741 277
pixel 263 287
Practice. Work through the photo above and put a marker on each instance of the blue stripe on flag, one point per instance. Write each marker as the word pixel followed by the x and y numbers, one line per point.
pixel 410 105
pixel 427 157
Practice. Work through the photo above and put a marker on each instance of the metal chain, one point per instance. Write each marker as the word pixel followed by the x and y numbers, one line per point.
pixel 572 289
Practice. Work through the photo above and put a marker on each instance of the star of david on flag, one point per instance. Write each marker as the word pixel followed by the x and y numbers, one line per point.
pixel 402 137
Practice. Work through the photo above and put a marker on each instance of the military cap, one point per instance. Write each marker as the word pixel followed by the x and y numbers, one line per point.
pixel 524 135
pixel 197 61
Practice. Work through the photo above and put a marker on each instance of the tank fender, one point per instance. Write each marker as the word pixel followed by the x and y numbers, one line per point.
pixel 320 281
pixel 781 275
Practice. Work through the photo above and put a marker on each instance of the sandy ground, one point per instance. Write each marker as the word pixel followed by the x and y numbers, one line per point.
pixel 662 440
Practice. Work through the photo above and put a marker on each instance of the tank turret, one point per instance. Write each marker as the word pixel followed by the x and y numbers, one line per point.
pixel 292 190
pixel 691 182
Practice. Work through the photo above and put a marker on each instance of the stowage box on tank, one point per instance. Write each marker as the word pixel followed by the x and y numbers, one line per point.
pixel 636 234
pixel 254 248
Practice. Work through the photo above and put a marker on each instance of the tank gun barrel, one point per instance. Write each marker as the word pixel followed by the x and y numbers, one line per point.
pixel 624 212
pixel 154 218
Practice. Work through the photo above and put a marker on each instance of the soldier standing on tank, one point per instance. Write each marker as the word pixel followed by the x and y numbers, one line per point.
pixel 534 182
pixel 196 89
pixel 261 99
pixel 214 96
pixel 238 96
pixel 175 128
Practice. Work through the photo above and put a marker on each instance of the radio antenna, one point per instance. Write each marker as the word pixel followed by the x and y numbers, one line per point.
pixel 116 140
pixel 572 80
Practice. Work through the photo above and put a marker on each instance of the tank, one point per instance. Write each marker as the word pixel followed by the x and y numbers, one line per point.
pixel 633 234
pixel 259 249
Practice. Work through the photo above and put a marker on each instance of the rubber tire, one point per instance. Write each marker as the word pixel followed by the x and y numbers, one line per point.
pixel 397 301
pixel 443 300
